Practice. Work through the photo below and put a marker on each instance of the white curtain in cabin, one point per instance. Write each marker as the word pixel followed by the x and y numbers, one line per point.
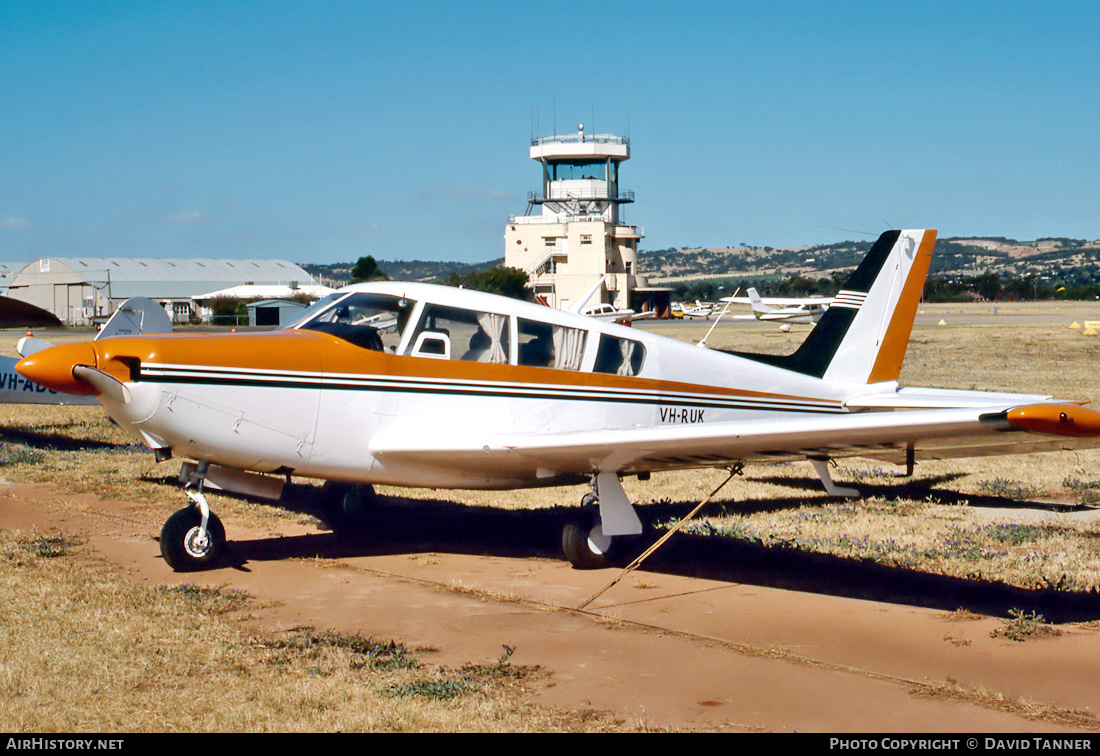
pixel 568 348
pixel 494 326
pixel 626 367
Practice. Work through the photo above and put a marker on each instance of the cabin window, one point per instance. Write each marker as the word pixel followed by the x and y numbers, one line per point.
pixel 548 345
pixel 372 321
pixel 457 334
pixel 619 356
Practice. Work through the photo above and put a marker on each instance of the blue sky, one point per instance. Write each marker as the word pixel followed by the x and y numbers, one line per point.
pixel 324 131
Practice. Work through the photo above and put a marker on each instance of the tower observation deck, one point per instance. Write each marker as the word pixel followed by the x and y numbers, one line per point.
pixel 580 176
pixel 578 235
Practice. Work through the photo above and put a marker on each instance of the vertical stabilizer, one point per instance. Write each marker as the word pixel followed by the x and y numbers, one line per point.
pixel 757 303
pixel 863 335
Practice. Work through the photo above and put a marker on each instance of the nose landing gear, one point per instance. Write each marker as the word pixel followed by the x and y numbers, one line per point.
pixel 193 538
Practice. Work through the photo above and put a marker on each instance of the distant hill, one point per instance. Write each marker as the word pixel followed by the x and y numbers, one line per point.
pixel 967 256
pixel 961 267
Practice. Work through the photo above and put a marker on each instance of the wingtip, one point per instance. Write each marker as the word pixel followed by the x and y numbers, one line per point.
pixel 1061 419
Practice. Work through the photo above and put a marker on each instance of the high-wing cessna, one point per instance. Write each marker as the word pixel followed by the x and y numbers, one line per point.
pixel 784 309
pixel 461 389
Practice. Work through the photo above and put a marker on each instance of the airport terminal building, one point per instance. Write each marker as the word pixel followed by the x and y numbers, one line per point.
pixel 83 291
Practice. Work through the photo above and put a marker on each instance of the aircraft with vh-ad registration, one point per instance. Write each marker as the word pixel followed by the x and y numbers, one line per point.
pixel 136 315
pixel 411 384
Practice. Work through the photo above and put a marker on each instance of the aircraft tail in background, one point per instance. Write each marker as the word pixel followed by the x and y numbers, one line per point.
pixel 863 336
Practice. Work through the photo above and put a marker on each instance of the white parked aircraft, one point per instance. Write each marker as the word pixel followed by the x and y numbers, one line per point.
pixel 784 309
pixel 133 317
pixel 471 390
pixel 698 310
pixel 610 312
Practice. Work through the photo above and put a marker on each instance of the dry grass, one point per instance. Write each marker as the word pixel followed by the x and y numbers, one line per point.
pixel 84 650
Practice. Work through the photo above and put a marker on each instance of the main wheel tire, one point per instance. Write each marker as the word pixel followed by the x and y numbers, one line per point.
pixel 585 545
pixel 347 506
pixel 183 548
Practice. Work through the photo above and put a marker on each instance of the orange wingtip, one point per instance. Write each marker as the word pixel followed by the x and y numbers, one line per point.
pixel 1056 419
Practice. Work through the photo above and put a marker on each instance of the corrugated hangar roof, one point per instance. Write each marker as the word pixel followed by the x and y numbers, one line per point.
pixel 168 277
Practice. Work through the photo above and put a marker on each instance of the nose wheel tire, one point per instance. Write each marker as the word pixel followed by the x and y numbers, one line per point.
pixel 186 547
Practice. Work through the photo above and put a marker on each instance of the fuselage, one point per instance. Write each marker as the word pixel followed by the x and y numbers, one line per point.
pixel 320 397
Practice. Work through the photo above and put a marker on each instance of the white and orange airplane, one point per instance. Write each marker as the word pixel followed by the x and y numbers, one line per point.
pixel 417 385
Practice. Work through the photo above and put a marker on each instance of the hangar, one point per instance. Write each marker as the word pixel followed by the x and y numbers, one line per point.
pixel 80 291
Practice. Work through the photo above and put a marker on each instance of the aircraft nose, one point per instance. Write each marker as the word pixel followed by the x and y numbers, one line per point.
pixel 53 368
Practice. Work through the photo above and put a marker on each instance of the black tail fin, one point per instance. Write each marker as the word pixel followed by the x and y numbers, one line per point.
pixel 863 335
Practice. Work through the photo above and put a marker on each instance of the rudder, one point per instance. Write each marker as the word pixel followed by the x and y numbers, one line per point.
pixel 864 334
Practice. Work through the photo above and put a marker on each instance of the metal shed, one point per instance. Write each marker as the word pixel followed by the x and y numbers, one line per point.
pixel 78 290
pixel 272 312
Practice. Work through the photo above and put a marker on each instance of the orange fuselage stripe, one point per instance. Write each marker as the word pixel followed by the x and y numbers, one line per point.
pixel 312 352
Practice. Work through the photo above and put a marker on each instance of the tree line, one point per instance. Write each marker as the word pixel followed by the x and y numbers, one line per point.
pixel 1074 284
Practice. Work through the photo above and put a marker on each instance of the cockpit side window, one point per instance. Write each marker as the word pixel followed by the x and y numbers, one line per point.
pixel 458 334
pixel 548 345
pixel 372 321
pixel 619 356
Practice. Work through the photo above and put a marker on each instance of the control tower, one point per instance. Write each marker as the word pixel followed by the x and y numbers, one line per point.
pixel 578 235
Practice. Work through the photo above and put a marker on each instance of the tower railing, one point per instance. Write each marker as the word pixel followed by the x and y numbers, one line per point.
pixel 581 138
pixel 622 195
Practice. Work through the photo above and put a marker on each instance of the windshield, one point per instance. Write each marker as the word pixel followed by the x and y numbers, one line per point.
pixel 311 311
pixel 372 321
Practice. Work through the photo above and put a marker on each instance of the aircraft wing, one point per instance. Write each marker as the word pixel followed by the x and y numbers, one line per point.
pixel 889 436
pixel 781 301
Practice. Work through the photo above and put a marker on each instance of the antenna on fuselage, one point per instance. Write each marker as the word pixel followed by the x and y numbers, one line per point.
pixel 703 344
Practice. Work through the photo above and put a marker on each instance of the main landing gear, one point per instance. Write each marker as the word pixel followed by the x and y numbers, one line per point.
pixel 583 541
pixel 600 536
pixel 193 538
pixel 347 506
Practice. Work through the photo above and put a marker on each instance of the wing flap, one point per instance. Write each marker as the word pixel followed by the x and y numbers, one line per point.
pixel 931 398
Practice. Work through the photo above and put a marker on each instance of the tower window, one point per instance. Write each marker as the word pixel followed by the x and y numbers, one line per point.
pixel 578 169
